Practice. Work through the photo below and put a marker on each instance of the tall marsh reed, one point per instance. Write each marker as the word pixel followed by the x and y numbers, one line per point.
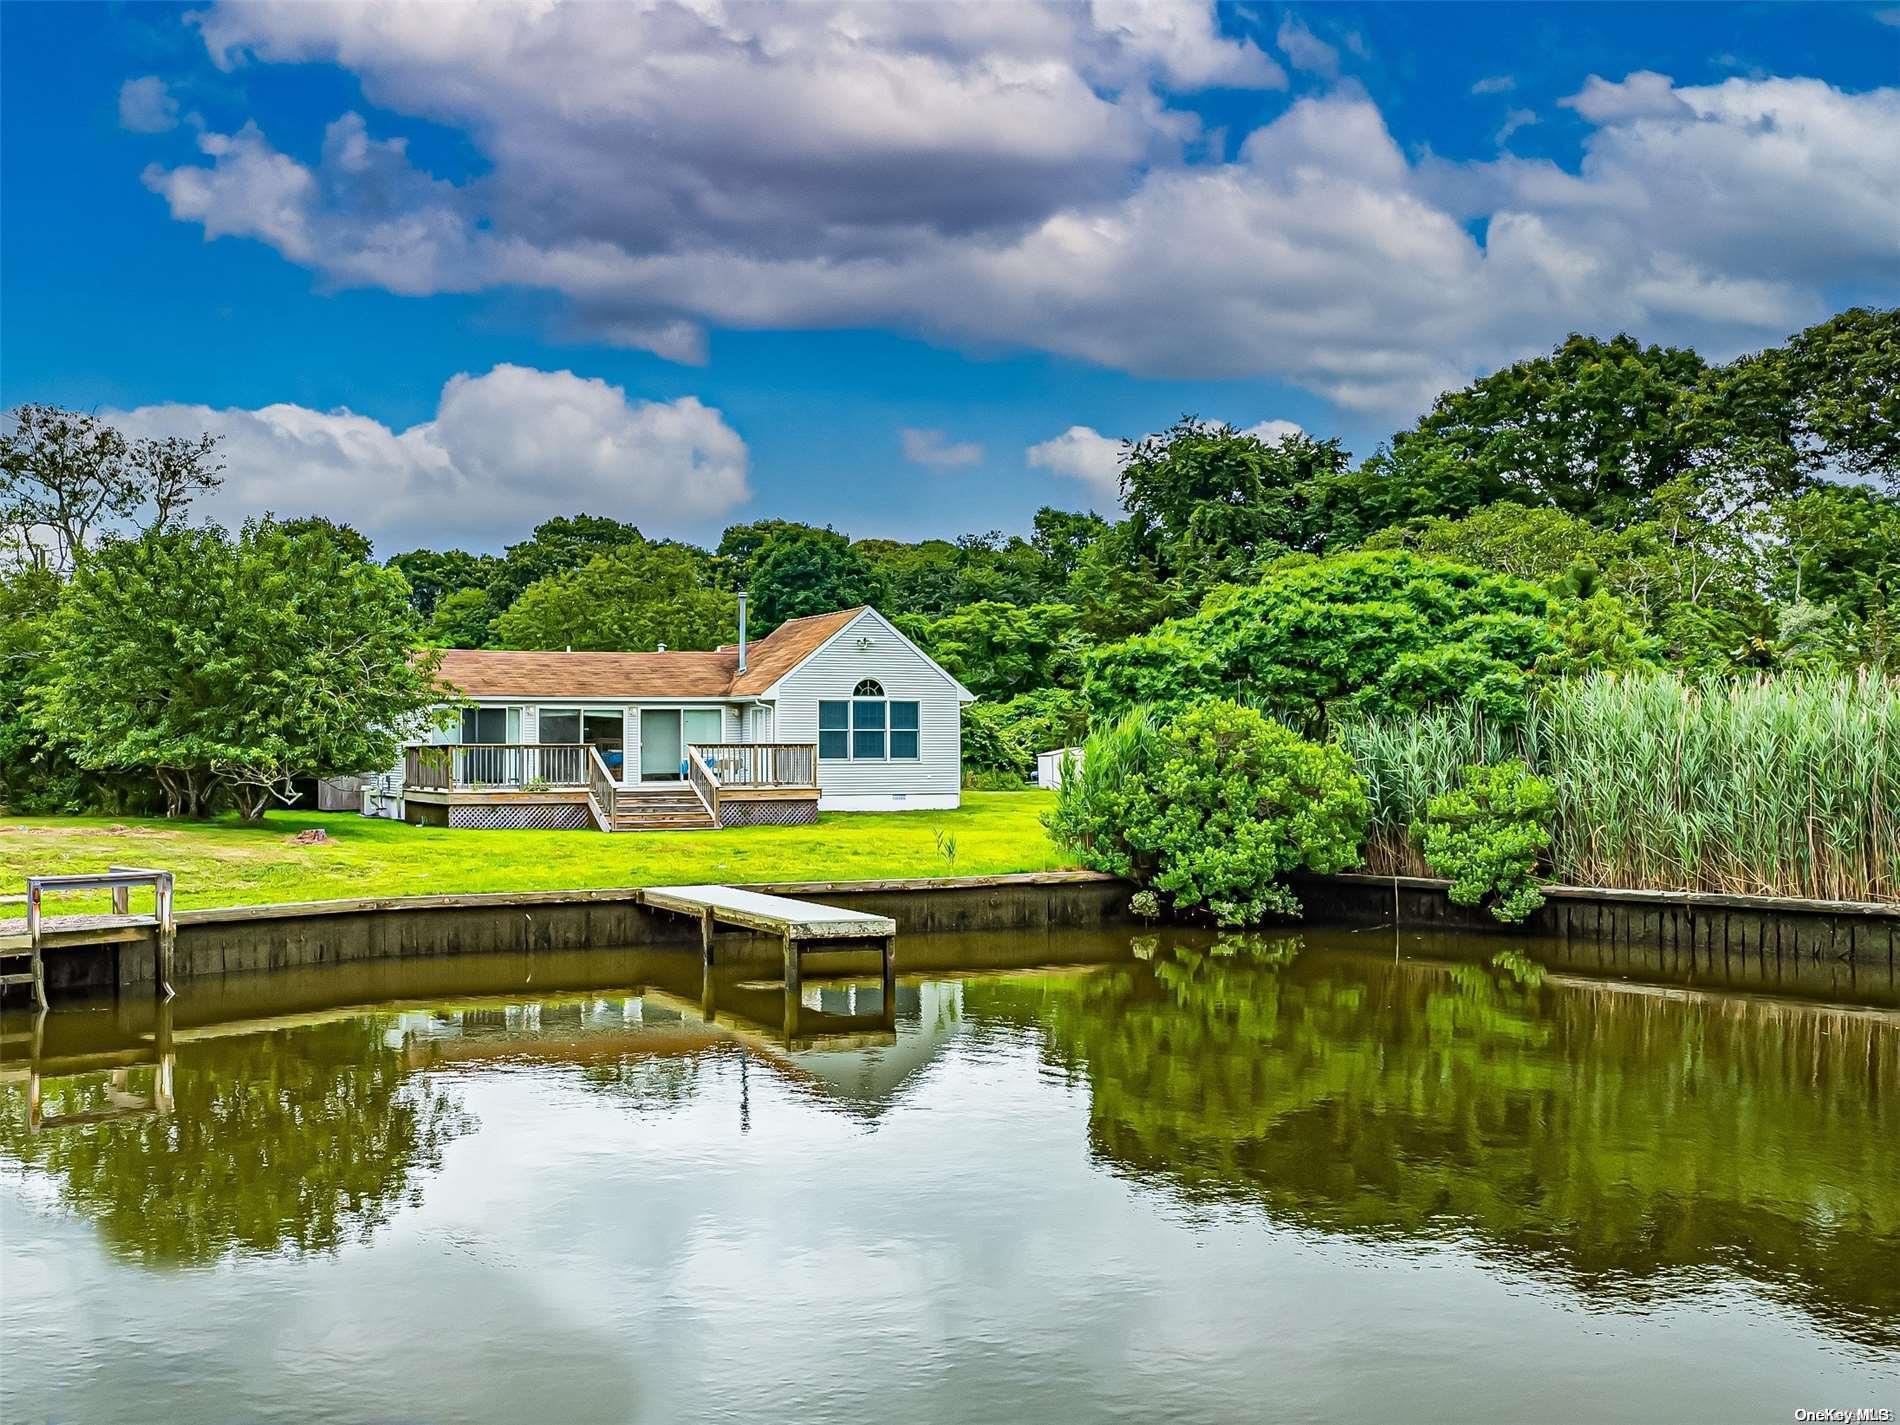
pixel 1786 785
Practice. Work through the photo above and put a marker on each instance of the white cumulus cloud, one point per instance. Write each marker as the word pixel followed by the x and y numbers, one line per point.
pixel 1023 177
pixel 933 448
pixel 505 450
pixel 1306 50
pixel 1082 453
pixel 146 106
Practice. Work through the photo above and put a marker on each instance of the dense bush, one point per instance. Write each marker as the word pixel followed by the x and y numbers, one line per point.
pixel 1487 835
pixel 1005 737
pixel 1372 632
pixel 1211 809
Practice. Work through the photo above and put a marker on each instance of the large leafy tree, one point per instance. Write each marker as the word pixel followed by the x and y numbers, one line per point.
pixel 809 571
pixel 462 619
pixel 434 575
pixel 555 546
pixel 1844 376
pixel 1061 537
pixel 1373 631
pixel 636 597
pixel 999 650
pixel 1592 429
pixel 741 543
pixel 234 665
pixel 1216 502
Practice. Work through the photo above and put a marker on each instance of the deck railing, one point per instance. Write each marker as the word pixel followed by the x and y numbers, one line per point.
pixel 603 795
pixel 503 766
pixel 757 764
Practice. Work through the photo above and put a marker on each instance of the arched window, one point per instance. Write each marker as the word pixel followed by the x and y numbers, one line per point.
pixel 868 727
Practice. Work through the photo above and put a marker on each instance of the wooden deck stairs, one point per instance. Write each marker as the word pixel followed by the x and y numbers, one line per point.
pixel 671 806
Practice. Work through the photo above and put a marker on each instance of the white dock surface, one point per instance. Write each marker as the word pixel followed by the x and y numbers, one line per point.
pixel 776 915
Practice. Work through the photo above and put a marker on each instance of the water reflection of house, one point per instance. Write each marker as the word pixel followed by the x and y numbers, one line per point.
pixel 842 1070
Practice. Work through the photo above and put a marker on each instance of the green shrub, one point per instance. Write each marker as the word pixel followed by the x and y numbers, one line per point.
pixel 1006 736
pixel 977 779
pixel 1211 809
pixel 1487 834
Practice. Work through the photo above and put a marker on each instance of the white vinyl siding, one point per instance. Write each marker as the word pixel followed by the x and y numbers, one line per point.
pixel 834 673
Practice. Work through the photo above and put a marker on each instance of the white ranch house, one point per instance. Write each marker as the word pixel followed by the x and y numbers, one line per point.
pixel 838 711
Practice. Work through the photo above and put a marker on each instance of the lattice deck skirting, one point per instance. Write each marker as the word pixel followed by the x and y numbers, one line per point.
pixel 774 813
pixel 544 817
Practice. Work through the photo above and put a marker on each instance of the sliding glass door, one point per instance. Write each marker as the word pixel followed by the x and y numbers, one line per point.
pixel 666 733
pixel 659 745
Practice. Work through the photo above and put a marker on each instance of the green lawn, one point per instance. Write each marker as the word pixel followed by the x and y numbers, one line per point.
pixel 227 863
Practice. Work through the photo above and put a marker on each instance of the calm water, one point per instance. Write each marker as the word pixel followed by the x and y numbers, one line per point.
pixel 1291 1178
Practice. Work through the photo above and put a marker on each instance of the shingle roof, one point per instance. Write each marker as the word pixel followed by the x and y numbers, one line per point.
pixel 788 645
pixel 504 673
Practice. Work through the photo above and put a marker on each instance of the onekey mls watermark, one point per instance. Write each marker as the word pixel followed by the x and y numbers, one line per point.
pixel 1865 1415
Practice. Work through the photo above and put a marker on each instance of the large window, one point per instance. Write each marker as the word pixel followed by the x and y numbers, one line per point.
pixel 486 724
pixel 603 727
pixel 867 727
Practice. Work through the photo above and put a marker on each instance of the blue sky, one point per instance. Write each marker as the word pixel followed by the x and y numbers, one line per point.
pixel 693 273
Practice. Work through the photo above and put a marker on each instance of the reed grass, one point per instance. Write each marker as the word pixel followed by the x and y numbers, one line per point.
pixel 1782 785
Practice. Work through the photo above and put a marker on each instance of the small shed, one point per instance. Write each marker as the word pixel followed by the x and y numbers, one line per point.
pixel 1051 766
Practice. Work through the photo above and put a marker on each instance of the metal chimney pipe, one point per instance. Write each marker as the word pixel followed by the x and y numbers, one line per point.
pixel 742 630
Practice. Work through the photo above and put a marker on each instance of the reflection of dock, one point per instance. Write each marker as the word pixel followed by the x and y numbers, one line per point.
pixel 153 1050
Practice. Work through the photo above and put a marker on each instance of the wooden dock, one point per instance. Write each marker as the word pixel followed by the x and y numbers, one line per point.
pixel 30 938
pixel 799 925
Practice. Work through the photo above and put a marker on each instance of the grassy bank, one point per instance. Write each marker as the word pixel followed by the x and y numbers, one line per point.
pixel 225 862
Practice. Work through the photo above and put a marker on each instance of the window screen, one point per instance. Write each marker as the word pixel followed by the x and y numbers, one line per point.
pixel 484 724
pixel 867 728
pixel 834 725
pixel 903 731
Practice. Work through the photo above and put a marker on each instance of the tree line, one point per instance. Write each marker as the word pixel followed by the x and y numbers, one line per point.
pixel 1610 505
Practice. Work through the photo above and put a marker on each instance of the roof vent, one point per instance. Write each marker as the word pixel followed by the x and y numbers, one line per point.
pixel 661 648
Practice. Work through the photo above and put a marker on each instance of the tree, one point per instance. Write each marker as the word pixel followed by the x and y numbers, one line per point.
pixel 1061 538
pixel 1591 429
pixel 435 574
pixel 1119 589
pixel 347 538
pixel 170 472
pixel 998 650
pixel 234 665
pixel 741 543
pixel 1375 631
pixel 1005 736
pixel 462 619
pixel 802 572
pixel 555 546
pixel 1212 808
pixel 1845 379
pixel 36 774
pixel 69 477
pixel 636 597
pixel 1217 502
